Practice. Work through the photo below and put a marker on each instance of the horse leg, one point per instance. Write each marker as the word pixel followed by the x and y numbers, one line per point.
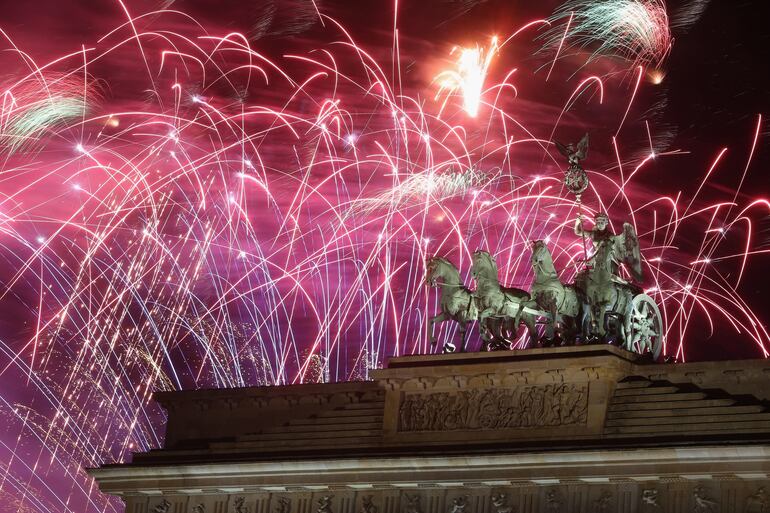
pixel 433 320
pixel 594 322
pixel 483 328
pixel 463 331
pixel 503 333
pixel 484 332
pixel 585 322
pixel 550 330
pixel 517 317
pixel 560 329
pixel 520 312
pixel 494 329
pixel 572 330
pixel 529 321
pixel 602 314
pixel 511 330
pixel 498 326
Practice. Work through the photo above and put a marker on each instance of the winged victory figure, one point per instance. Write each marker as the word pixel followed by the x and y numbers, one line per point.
pixel 574 153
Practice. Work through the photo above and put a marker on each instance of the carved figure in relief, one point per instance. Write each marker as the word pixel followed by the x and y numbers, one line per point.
pixel 413 503
pixel 199 508
pixel 759 502
pixel 163 507
pixel 367 505
pixel 284 505
pixel 602 504
pixel 500 503
pixel 520 407
pixel 325 504
pixel 458 504
pixel 650 499
pixel 553 501
pixel 239 505
pixel 701 502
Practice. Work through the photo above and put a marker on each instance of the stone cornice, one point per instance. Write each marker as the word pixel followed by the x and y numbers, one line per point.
pixel 477 470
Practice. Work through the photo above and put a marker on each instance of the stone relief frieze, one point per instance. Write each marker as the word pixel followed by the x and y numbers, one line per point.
pixel 758 502
pixel 592 372
pixel 500 503
pixel 553 501
pixel 603 503
pixel 702 503
pixel 517 378
pixel 325 504
pixel 682 496
pixel 163 507
pixel 520 407
pixel 239 505
pixel 649 499
pixel 367 504
pixel 283 505
pixel 459 504
pixel 413 503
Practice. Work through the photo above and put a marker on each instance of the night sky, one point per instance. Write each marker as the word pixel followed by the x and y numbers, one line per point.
pixel 199 194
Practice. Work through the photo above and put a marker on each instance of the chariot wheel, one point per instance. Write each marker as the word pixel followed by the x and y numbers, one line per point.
pixel 644 327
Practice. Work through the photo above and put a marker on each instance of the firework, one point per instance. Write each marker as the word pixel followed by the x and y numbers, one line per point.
pixel 468 77
pixel 427 186
pixel 36 106
pixel 634 30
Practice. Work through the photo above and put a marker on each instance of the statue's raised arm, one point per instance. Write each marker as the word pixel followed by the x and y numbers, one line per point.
pixel 599 233
pixel 579 230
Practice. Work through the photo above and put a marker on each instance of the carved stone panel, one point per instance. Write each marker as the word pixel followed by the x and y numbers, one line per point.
pixel 758 502
pixel 412 503
pixel 649 500
pixel 553 500
pixel 169 504
pixel 163 506
pixel 553 405
pixel 500 503
pixel 242 504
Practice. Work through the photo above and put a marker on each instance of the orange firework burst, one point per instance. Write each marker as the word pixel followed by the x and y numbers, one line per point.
pixel 468 77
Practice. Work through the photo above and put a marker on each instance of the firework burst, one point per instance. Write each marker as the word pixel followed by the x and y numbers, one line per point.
pixel 468 77
pixel 634 30
pixel 34 107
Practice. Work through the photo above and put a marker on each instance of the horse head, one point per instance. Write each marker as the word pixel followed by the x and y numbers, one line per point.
pixel 542 262
pixel 540 252
pixel 438 267
pixel 484 266
pixel 430 271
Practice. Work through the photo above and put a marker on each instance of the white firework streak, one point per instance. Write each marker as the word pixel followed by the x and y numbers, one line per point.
pixel 428 185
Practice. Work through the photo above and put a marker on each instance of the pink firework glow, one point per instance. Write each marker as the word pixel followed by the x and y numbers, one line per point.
pixel 185 205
